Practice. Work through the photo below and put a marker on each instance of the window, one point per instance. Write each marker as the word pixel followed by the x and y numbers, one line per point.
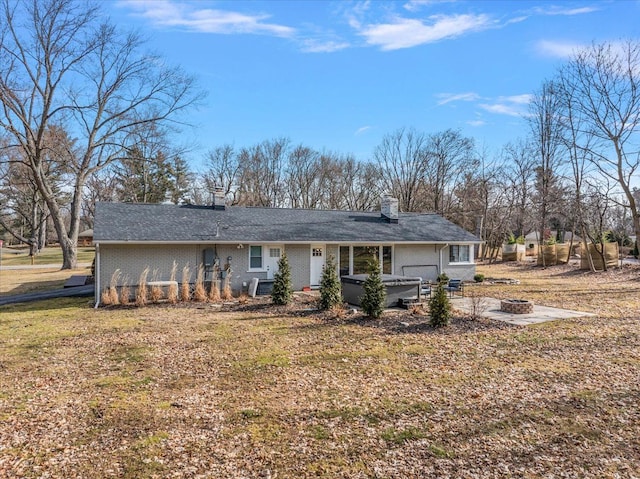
pixel 255 257
pixel 274 252
pixel 458 253
pixel 344 260
pixel 355 260
pixel 362 255
pixel 317 252
pixel 386 260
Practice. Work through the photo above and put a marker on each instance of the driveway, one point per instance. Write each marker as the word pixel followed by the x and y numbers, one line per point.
pixel 78 291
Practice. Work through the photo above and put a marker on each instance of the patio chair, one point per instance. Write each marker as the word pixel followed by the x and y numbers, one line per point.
pixel 425 289
pixel 455 286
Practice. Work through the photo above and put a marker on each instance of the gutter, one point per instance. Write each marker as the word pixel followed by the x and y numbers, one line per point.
pixel 96 278
pixel 286 241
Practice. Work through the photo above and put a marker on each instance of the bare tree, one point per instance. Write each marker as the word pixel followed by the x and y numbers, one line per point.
pixel 545 121
pixel 61 63
pixel 520 172
pixel 359 186
pixel 603 85
pixel 306 178
pixel 449 159
pixel 579 167
pixel 100 186
pixel 598 202
pixel 262 173
pixel 25 213
pixel 402 157
pixel 223 171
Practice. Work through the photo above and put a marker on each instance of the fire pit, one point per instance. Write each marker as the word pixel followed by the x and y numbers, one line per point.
pixel 516 306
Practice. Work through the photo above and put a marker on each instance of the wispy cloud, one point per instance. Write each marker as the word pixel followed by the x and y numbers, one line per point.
pixel 523 99
pixel 361 130
pixel 165 13
pixel 407 32
pixel 558 49
pixel 476 123
pixel 557 10
pixel 511 105
pixel 321 46
pixel 501 109
pixel 445 98
pixel 413 5
pixel 508 105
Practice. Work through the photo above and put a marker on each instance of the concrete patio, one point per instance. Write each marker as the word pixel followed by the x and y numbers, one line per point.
pixel 541 314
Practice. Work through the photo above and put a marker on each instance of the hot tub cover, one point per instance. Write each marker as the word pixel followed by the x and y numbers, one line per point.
pixel 387 279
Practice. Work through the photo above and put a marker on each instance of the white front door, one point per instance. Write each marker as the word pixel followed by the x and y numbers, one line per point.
pixel 272 256
pixel 317 262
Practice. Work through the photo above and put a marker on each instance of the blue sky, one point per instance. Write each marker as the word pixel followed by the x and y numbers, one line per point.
pixel 340 75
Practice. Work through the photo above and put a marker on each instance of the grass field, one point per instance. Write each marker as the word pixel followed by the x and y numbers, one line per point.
pixel 255 391
pixel 49 255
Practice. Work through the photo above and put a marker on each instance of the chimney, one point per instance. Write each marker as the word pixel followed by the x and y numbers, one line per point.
pixel 389 208
pixel 218 199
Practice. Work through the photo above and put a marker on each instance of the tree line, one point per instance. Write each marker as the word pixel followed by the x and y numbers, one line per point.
pixel 88 115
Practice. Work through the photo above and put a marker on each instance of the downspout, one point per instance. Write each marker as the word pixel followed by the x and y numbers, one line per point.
pixel 96 278
pixel 440 258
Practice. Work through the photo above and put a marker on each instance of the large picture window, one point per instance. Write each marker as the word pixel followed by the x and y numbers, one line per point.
pixel 355 259
pixel 344 260
pixel 459 253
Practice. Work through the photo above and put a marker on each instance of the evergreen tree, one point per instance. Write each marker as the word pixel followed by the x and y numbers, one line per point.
pixel 440 307
pixel 374 298
pixel 330 290
pixel 282 292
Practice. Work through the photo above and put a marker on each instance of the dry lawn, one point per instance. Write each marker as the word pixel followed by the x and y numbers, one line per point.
pixel 30 280
pixel 19 256
pixel 253 391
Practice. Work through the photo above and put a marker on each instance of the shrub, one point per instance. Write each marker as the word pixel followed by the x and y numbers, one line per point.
pixel 214 292
pixel 227 294
pixel 330 290
pixel 113 287
pixel 156 291
pixel 185 287
pixel 199 293
pixel 105 297
pixel 282 292
pixel 478 278
pixel 374 298
pixel 439 307
pixel 172 291
pixel 478 305
pixel 443 278
pixel 125 292
pixel 243 298
pixel 141 292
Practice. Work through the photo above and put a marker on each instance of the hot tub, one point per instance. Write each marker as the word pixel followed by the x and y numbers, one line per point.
pixel 397 287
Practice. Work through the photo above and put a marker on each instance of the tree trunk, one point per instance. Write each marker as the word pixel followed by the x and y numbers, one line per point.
pixel 69 254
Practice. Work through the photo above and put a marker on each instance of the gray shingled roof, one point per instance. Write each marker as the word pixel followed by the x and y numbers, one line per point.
pixel 135 222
